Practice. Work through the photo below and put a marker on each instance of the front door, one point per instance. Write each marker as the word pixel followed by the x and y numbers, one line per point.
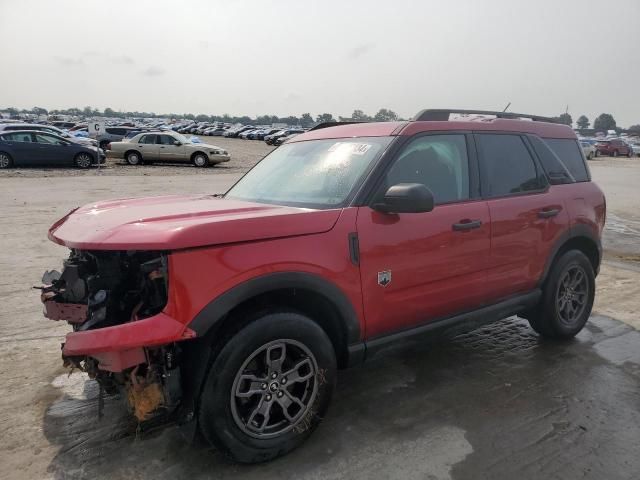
pixel 167 149
pixel 52 151
pixel 419 267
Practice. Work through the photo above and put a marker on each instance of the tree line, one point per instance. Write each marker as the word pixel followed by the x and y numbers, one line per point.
pixel 305 120
pixel 603 122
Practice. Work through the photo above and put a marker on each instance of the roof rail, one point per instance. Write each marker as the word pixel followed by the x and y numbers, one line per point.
pixel 442 115
pixel 331 124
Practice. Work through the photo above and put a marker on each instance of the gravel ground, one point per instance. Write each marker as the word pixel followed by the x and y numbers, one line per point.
pixel 494 404
pixel 244 154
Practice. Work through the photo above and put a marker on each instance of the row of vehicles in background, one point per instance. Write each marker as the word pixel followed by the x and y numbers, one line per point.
pixel 272 135
pixel 610 147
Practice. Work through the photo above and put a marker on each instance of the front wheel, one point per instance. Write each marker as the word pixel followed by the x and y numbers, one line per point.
pixel 83 160
pixel 567 297
pixel 268 388
pixel 200 160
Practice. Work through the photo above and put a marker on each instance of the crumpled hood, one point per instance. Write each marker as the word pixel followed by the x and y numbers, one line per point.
pixel 183 221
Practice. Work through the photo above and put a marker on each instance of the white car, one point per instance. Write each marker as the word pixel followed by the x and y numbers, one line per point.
pixel 588 149
pixel 166 146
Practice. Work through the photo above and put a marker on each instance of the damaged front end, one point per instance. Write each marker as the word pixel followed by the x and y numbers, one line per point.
pixel 109 298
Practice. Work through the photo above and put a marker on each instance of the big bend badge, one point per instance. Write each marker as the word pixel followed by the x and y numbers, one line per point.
pixel 384 278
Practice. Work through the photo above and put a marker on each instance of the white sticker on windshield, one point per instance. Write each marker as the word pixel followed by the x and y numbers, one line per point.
pixel 350 148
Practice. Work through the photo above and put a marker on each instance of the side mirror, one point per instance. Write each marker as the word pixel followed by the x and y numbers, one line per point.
pixel 177 143
pixel 406 198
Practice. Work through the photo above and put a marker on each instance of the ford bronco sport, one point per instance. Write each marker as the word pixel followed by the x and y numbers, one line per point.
pixel 230 314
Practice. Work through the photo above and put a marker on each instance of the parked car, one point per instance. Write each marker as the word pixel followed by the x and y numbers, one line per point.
pixel 613 148
pixel 588 149
pixel 113 134
pixel 234 312
pixel 269 139
pixel 20 148
pixel 166 146
pixel 280 140
pixel 635 148
pixel 265 132
pixel 49 129
pixel 233 133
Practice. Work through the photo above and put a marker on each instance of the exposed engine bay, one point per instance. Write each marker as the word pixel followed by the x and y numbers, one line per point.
pixel 99 289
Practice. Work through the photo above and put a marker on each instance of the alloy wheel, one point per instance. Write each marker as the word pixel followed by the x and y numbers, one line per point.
pixel 5 161
pixel 572 294
pixel 83 160
pixel 274 389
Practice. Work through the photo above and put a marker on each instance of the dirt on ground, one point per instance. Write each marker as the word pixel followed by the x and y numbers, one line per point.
pixel 497 401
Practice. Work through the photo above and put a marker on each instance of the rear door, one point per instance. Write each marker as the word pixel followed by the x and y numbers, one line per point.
pixel 148 147
pixel 419 267
pixel 23 149
pixel 168 150
pixel 527 215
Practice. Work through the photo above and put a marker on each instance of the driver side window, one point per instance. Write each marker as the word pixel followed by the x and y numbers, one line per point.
pixel 439 162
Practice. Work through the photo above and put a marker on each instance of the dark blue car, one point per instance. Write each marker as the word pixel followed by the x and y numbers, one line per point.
pixel 33 148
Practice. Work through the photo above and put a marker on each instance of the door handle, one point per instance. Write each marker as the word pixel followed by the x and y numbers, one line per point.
pixel 466 225
pixel 161 147
pixel 548 213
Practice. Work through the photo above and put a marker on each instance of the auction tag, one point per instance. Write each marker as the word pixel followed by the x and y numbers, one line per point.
pixel 350 148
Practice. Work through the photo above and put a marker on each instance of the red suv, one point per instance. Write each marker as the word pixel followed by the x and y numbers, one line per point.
pixel 613 148
pixel 232 313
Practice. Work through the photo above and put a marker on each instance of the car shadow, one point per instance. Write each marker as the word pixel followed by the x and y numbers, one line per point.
pixel 498 402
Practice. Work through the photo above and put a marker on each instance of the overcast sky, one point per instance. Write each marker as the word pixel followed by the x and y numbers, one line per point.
pixel 293 56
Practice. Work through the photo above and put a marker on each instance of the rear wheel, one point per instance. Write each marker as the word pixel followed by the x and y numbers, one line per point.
pixel 567 297
pixel 133 158
pixel 5 160
pixel 269 388
pixel 83 160
pixel 590 156
pixel 200 160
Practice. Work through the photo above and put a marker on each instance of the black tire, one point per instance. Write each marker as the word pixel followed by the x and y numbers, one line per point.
pixel 5 160
pixel 83 160
pixel 225 419
pixel 133 158
pixel 200 160
pixel 597 153
pixel 549 319
pixel 103 144
pixel 590 156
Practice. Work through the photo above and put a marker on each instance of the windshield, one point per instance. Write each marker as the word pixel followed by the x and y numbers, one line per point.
pixel 315 174
pixel 181 138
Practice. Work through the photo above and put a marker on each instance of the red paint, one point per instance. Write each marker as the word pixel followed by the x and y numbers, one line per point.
pixel 217 244
pixel 182 221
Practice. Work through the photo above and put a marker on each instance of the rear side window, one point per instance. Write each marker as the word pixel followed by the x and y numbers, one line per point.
pixel 569 152
pixel 553 166
pixel 506 165
pixel 147 139
pixel 18 137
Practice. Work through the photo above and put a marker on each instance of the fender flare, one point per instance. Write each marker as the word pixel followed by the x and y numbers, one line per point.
pixel 215 311
pixel 576 231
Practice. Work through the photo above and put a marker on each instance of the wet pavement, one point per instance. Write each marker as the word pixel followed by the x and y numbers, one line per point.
pixel 497 403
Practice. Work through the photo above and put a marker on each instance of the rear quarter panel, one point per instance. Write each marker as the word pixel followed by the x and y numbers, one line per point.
pixel 586 206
